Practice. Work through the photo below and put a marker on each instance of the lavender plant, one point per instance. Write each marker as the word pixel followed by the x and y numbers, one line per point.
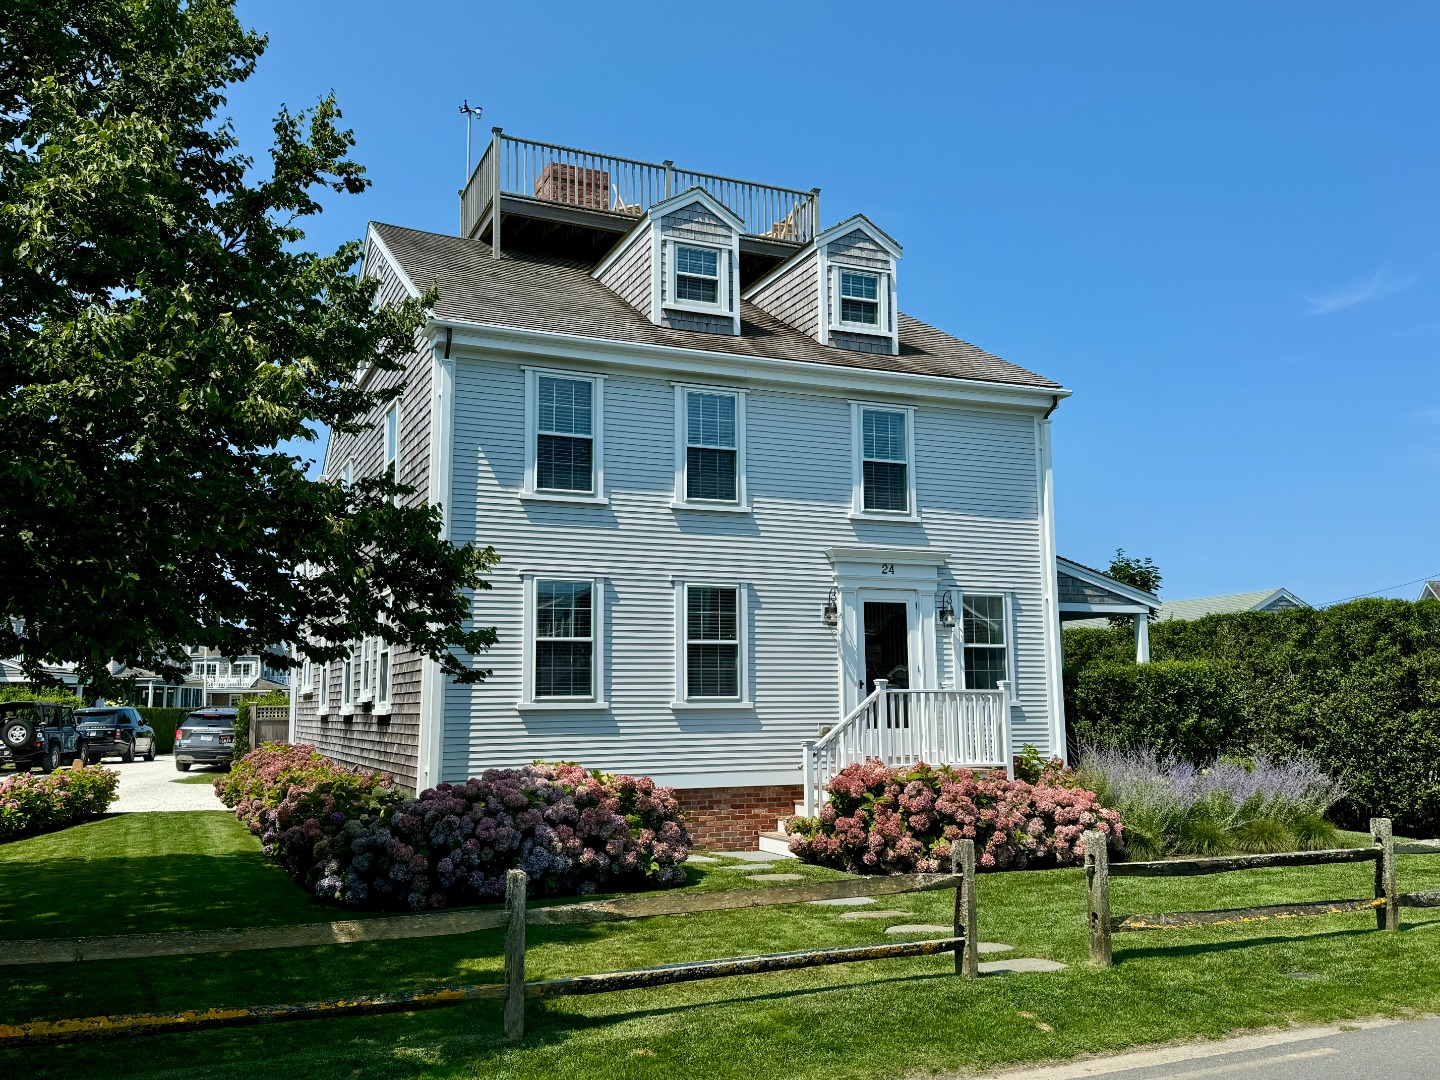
pixel 1173 807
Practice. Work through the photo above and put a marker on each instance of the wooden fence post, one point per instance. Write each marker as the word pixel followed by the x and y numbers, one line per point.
pixel 1382 833
pixel 1097 896
pixel 515 883
pixel 962 862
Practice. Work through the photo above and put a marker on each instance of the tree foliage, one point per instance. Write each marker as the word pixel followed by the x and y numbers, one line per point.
pixel 1138 574
pixel 162 331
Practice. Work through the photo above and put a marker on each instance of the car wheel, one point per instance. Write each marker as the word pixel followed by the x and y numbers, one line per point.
pixel 17 733
pixel 182 766
pixel 128 754
pixel 150 754
pixel 51 761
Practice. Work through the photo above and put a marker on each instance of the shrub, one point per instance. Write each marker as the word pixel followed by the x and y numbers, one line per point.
pixel 164 721
pixel 24 692
pixel 1171 807
pixel 1354 688
pixel 348 836
pixel 881 820
pixel 1177 708
pixel 37 803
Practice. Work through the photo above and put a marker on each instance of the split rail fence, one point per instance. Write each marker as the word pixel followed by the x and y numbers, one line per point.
pixel 1386 901
pixel 514 991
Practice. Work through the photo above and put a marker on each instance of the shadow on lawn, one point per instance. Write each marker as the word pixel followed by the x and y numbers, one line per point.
pixel 1200 949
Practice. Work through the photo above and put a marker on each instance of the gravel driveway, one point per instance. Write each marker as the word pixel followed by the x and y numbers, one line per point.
pixel 150 785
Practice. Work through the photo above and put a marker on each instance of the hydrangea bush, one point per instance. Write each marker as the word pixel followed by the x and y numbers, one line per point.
pixel 32 803
pixel 882 820
pixel 349 837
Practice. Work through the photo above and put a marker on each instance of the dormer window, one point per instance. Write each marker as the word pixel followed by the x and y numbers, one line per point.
pixel 698 278
pixel 859 299
pixel 697 275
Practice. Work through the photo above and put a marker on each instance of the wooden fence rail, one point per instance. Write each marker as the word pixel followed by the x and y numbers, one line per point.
pixel 1386 902
pixel 517 915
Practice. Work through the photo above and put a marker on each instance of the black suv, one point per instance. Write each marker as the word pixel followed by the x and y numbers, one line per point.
pixel 38 733
pixel 206 738
pixel 114 731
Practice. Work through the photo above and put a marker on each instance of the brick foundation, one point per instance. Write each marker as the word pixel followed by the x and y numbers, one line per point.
pixel 732 819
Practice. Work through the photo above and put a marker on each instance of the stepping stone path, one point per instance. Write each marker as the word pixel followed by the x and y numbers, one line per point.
pixel 843 901
pixel 777 877
pixel 873 914
pixel 751 856
pixel 918 928
pixel 701 858
pixel 1020 963
pixel 993 947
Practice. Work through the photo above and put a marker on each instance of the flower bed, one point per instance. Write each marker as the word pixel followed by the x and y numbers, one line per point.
pixel 32 803
pixel 350 837
pixel 881 820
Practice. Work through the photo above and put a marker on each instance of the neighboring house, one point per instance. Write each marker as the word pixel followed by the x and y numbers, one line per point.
pixel 733 487
pixel 1431 591
pixel 142 687
pixel 1261 600
pixel 56 674
pixel 229 680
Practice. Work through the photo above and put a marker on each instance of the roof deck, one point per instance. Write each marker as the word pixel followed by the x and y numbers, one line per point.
pixel 558 200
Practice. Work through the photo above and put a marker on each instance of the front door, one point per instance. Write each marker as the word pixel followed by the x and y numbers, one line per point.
pixel 887 644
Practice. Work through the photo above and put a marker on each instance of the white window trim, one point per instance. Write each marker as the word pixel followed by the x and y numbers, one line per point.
pixel 528 702
pixel 386 459
pixel 307 688
pixel 528 490
pixel 367 671
pixel 683 701
pixel 958 634
pixel 347 473
pixel 857 452
pixel 384 648
pixel 682 443
pixel 724 303
pixel 347 682
pixel 882 302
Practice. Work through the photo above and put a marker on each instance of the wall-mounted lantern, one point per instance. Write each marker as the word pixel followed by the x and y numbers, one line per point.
pixel 832 611
pixel 947 611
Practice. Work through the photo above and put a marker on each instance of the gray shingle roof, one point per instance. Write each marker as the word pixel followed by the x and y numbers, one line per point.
pixel 537 292
pixel 1217 605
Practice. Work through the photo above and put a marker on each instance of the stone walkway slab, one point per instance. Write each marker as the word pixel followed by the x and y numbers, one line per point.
pixel 777 877
pixel 1020 963
pixel 919 928
pixel 752 856
pixel 844 901
pixel 994 947
pixel 874 914
pixel 701 858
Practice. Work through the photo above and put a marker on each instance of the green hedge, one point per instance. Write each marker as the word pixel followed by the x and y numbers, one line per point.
pixel 164 721
pixel 1356 687
pixel 1184 708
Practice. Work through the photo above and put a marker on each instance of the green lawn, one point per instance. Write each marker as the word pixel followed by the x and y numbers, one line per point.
pixel 882 1019
pixel 200 778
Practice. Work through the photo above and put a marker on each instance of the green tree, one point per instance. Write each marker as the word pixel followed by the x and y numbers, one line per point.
pixel 1138 574
pixel 162 331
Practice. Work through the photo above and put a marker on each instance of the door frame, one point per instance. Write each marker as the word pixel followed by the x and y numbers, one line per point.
pixel 878 572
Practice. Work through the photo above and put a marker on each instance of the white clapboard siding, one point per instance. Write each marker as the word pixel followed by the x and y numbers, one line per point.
pixel 978 495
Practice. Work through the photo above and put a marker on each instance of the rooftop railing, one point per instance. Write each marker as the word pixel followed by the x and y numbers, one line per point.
pixel 625 187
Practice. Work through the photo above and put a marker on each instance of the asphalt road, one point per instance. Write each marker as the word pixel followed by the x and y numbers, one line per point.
pixel 1369 1050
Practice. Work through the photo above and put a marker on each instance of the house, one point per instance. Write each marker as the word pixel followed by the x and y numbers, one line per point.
pixel 1083 593
pixel 1431 591
pixel 229 680
pixel 142 687
pixel 1261 600
pixel 754 520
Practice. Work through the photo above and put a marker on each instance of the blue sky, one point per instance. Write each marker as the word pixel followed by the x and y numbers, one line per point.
pixel 1216 223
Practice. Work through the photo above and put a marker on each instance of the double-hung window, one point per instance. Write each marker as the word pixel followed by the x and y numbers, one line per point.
pixel 697 275
pixel 565 445
pixel 884 445
pixel 324 706
pixel 860 299
pixel 349 680
pixel 984 641
pixel 564 662
pixel 392 444
pixel 711 450
pixel 382 673
pixel 711 633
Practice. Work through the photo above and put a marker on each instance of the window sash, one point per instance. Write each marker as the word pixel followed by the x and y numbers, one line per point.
pixel 860 295
pixel 565 434
pixel 382 692
pixel 712 642
pixel 884 460
pixel 985 659
pixel 564 639
pixel 712 460
pixel 697 275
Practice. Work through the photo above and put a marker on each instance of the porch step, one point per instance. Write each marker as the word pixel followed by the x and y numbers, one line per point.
pixel 777 842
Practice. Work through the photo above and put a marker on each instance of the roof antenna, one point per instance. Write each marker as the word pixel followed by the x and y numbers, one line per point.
pixel 471 113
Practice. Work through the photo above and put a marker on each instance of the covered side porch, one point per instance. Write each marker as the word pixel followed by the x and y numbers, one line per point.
pixel 1086 595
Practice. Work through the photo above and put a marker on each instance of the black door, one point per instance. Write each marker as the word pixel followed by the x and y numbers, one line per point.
pixel 887 644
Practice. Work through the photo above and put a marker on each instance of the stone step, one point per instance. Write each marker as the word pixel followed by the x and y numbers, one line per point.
pixel 775 843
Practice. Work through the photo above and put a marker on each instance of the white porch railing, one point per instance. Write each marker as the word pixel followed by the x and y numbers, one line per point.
pixel 969 728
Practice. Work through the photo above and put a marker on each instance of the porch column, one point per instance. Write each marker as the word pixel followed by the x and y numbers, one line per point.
pixel 1142 638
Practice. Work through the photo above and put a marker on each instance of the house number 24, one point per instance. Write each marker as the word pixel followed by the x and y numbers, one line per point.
pixel 887 568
